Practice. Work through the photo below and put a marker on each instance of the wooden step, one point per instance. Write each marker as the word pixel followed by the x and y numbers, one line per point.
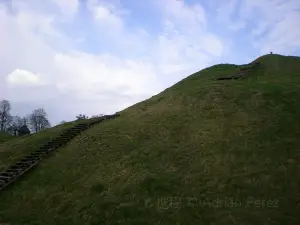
pixel 17 169
pixel 32 156
pixel 38 154
pixel 41 151
pixel 56 142
pixel 63 139
pixel 2 183
pixel 53 143
pixel 23 164
pixel 82 126
pixel 44 149
pixel 5 178
pixel 28 161
pixel 8 174
pixel 47 146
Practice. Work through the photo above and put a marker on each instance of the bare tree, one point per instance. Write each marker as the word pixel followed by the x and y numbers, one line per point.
pixel 16 123
pixel 97 116
pixel 5 117
pixel 25 120
pixel 62 122
pixel 38 120
pixel 81 117
pixel 23 130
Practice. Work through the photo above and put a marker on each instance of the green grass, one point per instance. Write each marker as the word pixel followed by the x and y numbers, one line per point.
pixel 15 148
pixel 5 137
pixel 197 142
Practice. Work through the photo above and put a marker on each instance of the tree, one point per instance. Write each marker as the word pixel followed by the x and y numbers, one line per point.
pixel 38 120
pixel 97 116
pixel 5 117
pixel 23 130
pixel 62 122
pixel 81 117
pixel 16 123
pixel 14 126
pixel 25 120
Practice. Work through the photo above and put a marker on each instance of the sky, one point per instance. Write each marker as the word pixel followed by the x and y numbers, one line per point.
pixel 101 56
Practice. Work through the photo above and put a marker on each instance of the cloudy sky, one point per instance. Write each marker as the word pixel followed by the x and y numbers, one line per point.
pixel 101 56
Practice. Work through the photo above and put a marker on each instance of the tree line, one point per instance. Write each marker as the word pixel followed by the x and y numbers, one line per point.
pixel 17 125
pixel 34 122
pixel 85 117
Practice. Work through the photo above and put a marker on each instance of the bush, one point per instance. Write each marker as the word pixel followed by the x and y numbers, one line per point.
pixel 23 130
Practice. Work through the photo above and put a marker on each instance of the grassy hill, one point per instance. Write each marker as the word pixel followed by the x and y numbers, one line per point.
pixel 17 147
pixel 5 137
pixel 201 152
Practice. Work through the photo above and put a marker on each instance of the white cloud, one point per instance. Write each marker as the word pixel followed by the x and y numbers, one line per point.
pixel 212 44
pixel 36 22
pixel 67 7
pixel 225 12
pixel 24 78
pixel 237 25
pixel 87 74
pixel 49 69
pixel 183 14
pixel 277 23
pixel 106 15
pixel 186 44
pixel 179 47
pixel 284 37
pixel 270 25
pixel 120 62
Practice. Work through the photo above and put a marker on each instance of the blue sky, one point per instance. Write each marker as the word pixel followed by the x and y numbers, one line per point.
pixel 101 56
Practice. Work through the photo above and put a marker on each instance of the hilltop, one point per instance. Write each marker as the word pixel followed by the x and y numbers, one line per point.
pixel 204 151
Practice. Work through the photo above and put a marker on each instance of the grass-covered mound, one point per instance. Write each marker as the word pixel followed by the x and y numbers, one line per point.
pixel 201 152
pixel 14 148
pixel 5 137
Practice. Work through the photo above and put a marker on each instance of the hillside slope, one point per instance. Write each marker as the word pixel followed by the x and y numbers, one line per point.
pixel 14 148
pixel 5 137
pixel 201 152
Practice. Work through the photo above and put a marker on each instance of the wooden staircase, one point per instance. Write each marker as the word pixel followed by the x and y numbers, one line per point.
pixel 18 169
pixel 243 72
